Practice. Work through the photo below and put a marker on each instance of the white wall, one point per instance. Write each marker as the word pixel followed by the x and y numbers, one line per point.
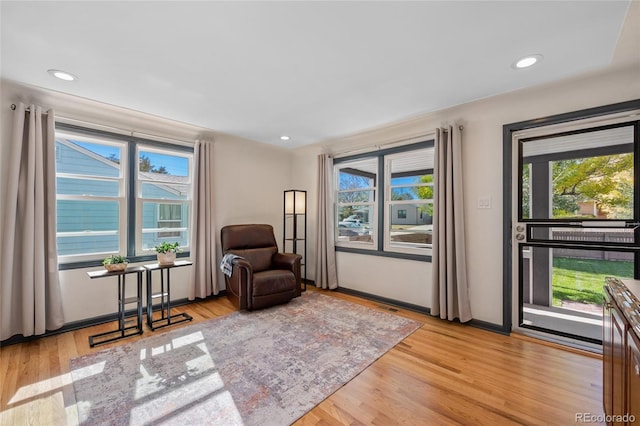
pixel 409 281
pixel 250 178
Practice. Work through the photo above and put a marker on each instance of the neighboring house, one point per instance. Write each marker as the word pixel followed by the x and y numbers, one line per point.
pixel 164 215
pixel 589 208
pixel 101 218
pixel 409 215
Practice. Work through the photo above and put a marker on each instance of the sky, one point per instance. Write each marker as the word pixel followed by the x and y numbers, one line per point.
pixel 178 166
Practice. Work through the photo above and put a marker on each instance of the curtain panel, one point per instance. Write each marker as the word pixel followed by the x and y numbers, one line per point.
pixel 450 293
pixel 30 288
pixel 203 230
pixel 326 271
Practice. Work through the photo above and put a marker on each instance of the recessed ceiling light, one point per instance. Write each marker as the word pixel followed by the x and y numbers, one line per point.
pixel 284 138
pixel 527 61
pixel 62 75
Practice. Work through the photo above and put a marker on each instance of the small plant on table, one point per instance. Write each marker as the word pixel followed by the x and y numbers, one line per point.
pixel 167 252
pixel 115 262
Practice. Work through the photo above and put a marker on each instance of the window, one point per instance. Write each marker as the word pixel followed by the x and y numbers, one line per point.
pixel 356 213
pixel 582 174
pixel 90 195
pixel 164 197
pixel 169 216
pixel 117 194
pixel 410 194
pixel 399 220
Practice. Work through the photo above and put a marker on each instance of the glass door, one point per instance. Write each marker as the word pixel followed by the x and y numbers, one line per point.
pixel 576 220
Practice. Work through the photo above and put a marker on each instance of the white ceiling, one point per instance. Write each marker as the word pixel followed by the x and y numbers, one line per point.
pixel 310 70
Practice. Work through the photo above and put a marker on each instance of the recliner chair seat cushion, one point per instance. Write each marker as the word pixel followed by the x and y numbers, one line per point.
pixel 273 281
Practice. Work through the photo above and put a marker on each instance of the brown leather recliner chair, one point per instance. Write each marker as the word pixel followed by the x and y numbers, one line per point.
pixel 262 277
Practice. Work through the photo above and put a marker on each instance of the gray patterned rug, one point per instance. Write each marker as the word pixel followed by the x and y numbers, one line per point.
pixel 266 367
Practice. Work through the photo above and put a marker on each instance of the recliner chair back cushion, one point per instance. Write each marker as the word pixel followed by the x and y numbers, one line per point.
pixel 256 243
pixel 259 258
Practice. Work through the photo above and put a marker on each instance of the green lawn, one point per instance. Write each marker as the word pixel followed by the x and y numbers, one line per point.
pixel 581 280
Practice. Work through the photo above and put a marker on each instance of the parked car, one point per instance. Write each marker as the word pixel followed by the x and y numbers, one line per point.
pixel 350 222
pixel 353 226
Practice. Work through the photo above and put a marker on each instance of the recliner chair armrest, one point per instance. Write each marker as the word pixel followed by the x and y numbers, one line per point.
pixel 242 279
pixel 241 263
pixel 291 262
pixel 286 261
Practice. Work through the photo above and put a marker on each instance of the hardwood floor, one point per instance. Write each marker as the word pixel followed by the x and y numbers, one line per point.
pixel 442 374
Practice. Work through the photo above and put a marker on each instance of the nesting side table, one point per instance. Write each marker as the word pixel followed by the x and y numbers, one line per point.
pixel 123 330
pixel 166 318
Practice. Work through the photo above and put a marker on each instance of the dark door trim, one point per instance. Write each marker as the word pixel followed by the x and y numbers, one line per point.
pixel 507 152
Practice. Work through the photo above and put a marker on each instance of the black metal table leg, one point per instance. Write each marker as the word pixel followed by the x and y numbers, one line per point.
pixel 123 330
pixel 166 318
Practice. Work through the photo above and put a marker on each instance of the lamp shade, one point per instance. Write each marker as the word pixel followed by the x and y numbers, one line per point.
pixel 295 201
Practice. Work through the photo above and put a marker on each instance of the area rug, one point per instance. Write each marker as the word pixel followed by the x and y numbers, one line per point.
pixel 267 367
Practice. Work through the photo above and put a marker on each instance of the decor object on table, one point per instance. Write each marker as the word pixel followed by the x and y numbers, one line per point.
pixel 295 227
pixel 268 367
pixel 115 262
pixel 260 276
pixel 167 252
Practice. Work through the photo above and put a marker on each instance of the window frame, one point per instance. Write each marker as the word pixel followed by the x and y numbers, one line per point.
pixel 140 200
pixel 120 199
pixel 361 245
pixel 382 216
pixel 389 245
pixel 128 215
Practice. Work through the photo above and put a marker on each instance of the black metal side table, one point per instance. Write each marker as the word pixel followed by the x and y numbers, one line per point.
pixel 166 318
pixel 124 330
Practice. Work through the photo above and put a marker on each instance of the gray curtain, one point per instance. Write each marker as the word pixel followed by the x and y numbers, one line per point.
pixel 450 293
pixel 203 230
pixel 326 271
pixel 30 288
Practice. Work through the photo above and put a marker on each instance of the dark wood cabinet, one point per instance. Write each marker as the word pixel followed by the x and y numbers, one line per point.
pixel 621 353
pixel 633 376
pixel 613 351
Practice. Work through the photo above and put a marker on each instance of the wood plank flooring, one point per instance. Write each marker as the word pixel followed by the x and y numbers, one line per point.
pixel 443 374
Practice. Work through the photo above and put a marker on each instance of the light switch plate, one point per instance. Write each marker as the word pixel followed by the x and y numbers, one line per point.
pixel 484 202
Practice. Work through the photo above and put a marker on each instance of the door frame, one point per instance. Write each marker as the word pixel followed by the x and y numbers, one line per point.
pixel 507 184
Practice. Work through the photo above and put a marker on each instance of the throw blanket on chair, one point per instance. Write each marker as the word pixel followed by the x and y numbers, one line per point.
pixel 226 265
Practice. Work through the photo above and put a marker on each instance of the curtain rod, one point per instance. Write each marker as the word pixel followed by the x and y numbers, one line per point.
pixel 119 130
pixel 14 106
pixel 378 147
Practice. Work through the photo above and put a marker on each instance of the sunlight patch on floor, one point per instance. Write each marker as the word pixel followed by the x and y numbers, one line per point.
pixel 49 385
pixel 185 398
